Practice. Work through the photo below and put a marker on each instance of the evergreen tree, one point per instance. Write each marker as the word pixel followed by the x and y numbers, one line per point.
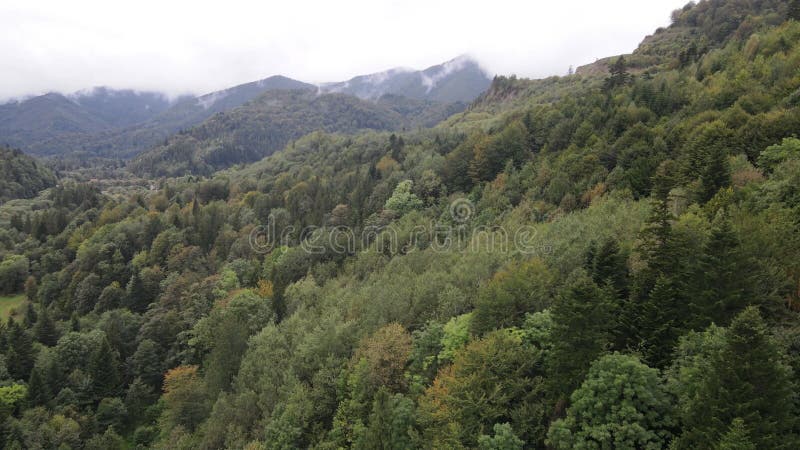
pixel 724 276
pixel 45 329
pixel 747 380
pixel 737 438
pixel 39 392
pixel 583 326
pixel 619 75
pixel 30 316
pixel 104 370
pixel 137 294
pixel 715 173
pixel 20 356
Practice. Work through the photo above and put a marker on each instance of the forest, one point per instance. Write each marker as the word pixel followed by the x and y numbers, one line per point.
pixel 655 303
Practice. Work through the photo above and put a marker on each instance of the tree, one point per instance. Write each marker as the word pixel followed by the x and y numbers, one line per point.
pixel 583 325
pixel 402 199
pixel 390 424
pixel 776 154
pixel 20 356
pixel 147 363
pixel 111 412
pixel 514 291
pixel 496 379
pixel 10 398
pixel 45 329
pixel 184 398
pixel 737 437
pixel 725 276
pixel 104 370
pixel 746 380
pixel 621 404
pixel 503 439
pixel 794 10
pixel 619 75
pixel 39 392
pixel 109 440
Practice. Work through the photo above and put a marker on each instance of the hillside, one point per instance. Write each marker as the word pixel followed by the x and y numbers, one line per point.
pixel 22 176
pixel 267 124
pixel 605 260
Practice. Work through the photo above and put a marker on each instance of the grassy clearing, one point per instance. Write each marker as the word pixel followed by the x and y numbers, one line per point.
pixel 12 306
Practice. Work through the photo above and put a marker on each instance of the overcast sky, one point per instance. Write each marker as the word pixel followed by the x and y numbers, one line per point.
pixel 197 46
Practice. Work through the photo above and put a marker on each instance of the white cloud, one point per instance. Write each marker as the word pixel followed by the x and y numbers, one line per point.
pixel 199 46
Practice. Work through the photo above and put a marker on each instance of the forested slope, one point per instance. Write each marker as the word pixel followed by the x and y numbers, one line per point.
pixel 21 176
pixel 603 260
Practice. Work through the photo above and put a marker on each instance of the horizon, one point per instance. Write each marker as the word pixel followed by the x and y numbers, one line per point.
pixel 198 48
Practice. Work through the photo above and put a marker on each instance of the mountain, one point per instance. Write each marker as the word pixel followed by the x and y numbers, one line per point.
pixel 22 176
pixel 122 123
pixel 459 80
pixel 266 124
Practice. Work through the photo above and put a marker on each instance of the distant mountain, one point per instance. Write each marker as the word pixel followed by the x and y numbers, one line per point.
pixel 459 80
pixel 22 176
pixel 268 123
pixel 121 123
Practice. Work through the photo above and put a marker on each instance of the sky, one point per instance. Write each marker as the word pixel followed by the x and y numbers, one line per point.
pixel 180 47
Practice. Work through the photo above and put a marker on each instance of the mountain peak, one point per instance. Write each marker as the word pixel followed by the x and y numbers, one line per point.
pixel 460 79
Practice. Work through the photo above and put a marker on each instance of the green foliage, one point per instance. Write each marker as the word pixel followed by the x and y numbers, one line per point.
pixel 514 291
pixel 503 439
pixel 403 200
pixel 22 176
pixel 621 404
pixel 773 155
pixel 746 380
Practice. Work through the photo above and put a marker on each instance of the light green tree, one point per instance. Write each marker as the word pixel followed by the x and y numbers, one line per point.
pixel 622 404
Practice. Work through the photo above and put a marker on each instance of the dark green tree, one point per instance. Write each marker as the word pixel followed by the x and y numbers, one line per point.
pixel 619 75
pixel 584 320
pixel 747 380
pixel 104 370
pixel 794 10
pixel 45 329
pixel 39 392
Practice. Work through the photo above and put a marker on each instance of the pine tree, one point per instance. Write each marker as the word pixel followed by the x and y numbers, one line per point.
pixel 747 380
pixel 724 276
pixel 104 370
pixel 39 392
pixel 30 316
pixel 715 174
pixel 583 325
pixel 619 74
pixel 137 294
pixel 45 329
pixel 20 356
pixel 737 437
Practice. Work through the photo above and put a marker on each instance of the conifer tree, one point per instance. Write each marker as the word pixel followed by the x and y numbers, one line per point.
pixel 38 390
pixel 104 369
pixel 747 380
pixel 20 356
pixel 583 324
pixel 45 329
pixel 737 437
pixel 725 276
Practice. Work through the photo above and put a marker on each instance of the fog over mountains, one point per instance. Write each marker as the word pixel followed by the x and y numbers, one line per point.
pixel 121 123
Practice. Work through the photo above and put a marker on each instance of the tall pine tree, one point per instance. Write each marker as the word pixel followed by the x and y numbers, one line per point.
pixel 748 381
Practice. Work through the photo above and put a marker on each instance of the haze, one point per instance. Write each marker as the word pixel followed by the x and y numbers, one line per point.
pixel 196 47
